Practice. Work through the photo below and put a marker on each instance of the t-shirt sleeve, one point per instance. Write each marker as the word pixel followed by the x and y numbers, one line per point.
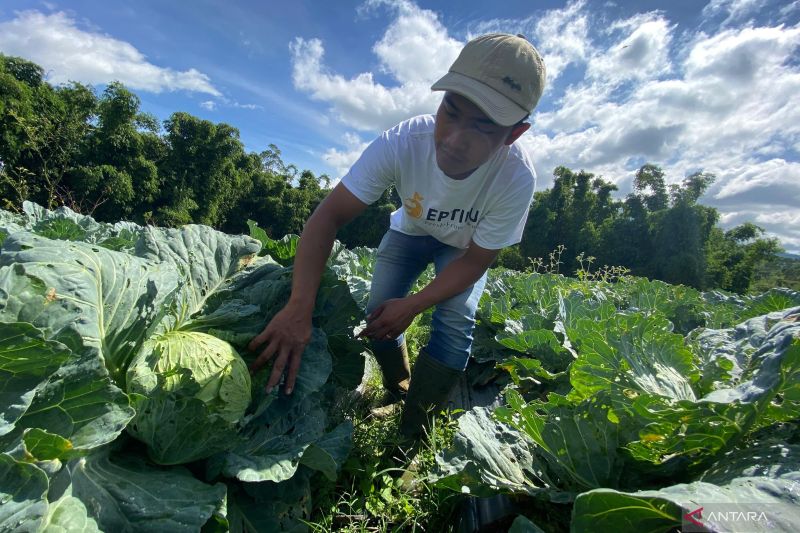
pixel 503 224
pixel 374 171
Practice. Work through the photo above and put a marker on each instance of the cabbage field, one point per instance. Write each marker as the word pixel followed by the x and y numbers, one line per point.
pixel 126 403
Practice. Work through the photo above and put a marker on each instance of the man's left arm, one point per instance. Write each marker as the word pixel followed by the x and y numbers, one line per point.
pixel 394 316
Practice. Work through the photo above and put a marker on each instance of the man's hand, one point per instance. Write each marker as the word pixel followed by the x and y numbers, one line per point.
pixel 286 336
pixel 390 319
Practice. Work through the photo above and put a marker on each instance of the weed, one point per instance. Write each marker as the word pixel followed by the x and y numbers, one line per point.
pixel 538 265
pixel 369 494
pixel 605 274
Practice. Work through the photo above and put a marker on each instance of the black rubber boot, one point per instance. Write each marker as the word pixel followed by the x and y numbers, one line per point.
pixel 393 363
pixel 431 384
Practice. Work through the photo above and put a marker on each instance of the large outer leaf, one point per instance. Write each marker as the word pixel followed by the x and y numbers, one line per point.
pixel 774 390
pixel 78 401
pixel 771 301
pixel 763 479
pixel 81 404
pixel 9 223
pixel 610 510
pixel 540 344
pixel 523 525
pixel 269 506
pixel 329 452
pixel 281 250
pixel 487 457
pixel 355 267
pixel 65 224
pixel 697 431
pixel 273 452
pixel 337 313
pixel 205 257
pixel 692 431
pixel 771 337
pixel 726 416
pixel 27 360
pixel 112 300
pixel 23 487
pixel 179 428
pixel 576 445
pixel 124 493
pixel 632 352
pixel 682 305
pixel 69 515
pixel 574 307
pixel 727 353
pixel 244 304
pixel 277 436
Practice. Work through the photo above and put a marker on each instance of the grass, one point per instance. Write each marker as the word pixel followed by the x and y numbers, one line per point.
pixel 369 495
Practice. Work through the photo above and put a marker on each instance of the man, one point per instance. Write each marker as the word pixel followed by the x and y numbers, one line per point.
pixel 466 190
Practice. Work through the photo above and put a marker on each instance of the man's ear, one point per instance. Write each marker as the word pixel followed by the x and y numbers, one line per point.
pixel 516 133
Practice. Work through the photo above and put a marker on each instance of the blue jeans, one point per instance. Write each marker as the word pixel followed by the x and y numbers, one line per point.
pixel 400 261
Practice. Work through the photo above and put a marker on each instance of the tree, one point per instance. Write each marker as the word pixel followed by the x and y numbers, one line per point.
pixel 368 228
pixel 680 234
pixel 202 177
pixel 571 214
pixel 42 130
pixel 116 175
pixel 735 255
pixel 651 188
pixel 625 238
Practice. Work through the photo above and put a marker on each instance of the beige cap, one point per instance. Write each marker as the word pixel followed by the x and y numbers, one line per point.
pixel 500 73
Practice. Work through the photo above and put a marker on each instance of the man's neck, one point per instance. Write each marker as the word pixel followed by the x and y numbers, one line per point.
pixel 461 176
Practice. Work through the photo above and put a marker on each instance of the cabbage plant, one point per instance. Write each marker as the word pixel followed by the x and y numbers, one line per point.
pixel 189 389
pixel 213 364
pixel 116 334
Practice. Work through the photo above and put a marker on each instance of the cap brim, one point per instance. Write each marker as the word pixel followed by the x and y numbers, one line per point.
pixel 496 106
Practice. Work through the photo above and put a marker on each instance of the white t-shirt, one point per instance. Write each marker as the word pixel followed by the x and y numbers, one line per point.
pixel 489 207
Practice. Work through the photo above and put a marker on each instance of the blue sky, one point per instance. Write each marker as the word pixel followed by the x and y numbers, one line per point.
pixel 686 84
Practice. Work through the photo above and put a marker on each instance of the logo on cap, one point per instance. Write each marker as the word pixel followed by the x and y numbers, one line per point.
pixel 508 80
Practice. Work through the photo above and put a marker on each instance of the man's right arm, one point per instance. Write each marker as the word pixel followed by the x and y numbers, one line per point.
pixel 287 334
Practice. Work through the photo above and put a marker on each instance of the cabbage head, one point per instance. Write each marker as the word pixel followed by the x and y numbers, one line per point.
pixel 189 390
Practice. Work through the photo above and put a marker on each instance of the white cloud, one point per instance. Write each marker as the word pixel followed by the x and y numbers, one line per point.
pixel 641 54
pixel 738 57
pixel 786 218
pixel 562 35
pixel 773 182
pixel 342 160
pixel 710 115
pixel 212 105
pixel 735 9
pixel 789 8
pixel 360 102
pixel 731 107
pixel 236 105
pixel 69 53
pixel 415 48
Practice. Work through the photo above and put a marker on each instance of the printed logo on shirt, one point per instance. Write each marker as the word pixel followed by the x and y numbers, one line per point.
pixel 414 205
pixel 454 218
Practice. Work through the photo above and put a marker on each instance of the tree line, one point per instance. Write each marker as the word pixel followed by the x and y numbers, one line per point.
pixel 101 155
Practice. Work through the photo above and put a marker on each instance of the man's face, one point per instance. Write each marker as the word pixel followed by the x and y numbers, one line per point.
pixel 465 137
